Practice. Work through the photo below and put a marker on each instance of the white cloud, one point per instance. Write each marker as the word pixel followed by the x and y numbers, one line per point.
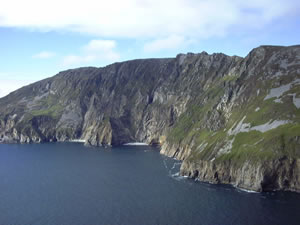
pixel 97 51
pixel 44 55
pixel 166 43
pixel 145 18
pixel 99 45
pixel 77 60
pixel 8 86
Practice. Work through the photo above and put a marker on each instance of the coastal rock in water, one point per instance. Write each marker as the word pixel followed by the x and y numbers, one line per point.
pixel 280 174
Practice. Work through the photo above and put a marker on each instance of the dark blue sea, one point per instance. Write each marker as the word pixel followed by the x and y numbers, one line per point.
pixel 70 184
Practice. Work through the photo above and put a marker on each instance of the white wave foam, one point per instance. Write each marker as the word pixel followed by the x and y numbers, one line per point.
pixel 245 190
pixel 136 143
pixel 177 176
pixel 174 165
pixel 77 140
pixel 165 164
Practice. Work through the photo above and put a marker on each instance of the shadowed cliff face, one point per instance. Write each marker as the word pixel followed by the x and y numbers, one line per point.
pixel 132 101
pixel 220 114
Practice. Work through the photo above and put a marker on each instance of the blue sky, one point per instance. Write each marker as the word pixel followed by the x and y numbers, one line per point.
pixel 41 38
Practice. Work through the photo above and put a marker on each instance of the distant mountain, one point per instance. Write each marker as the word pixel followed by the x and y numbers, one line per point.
pixel 230 119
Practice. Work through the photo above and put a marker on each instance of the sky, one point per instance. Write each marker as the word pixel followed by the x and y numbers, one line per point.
pixel 40 38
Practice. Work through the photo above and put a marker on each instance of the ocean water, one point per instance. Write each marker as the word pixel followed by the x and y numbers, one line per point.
pixel 70 184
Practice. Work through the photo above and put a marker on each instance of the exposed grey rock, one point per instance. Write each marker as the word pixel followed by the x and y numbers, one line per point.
pixel 277 92
pixel 281 174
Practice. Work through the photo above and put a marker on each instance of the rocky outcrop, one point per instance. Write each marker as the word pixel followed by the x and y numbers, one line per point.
pixel 230 119
pixel 279 174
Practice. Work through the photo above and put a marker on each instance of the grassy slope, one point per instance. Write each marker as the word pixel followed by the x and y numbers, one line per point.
pixel 252 146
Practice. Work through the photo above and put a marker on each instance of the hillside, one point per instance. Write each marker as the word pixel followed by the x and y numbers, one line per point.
pixel 230 119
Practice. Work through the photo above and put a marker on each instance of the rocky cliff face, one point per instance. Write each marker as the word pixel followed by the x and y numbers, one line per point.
pixel 230 119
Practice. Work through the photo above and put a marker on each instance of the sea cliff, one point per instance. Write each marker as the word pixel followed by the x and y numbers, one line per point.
pixel 230 119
